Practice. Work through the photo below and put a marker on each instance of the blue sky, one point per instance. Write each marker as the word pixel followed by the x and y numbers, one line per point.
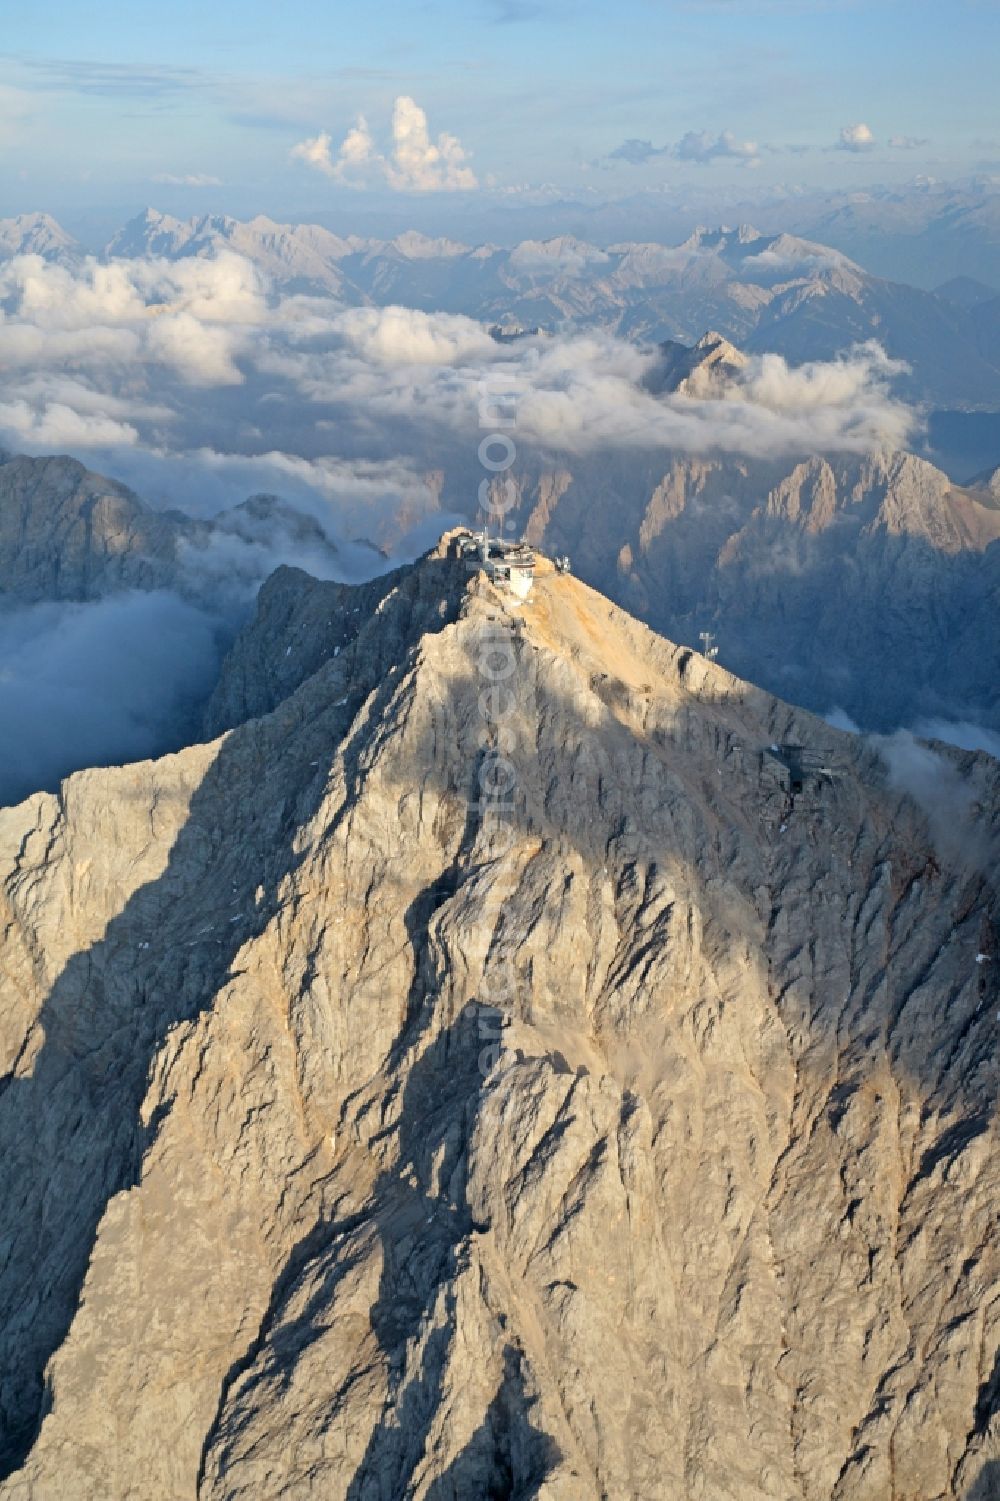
pixel 201 105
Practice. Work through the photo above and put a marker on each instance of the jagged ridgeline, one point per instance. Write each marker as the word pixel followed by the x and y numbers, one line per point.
pixel 363 1140
pixel 768 291
pixel 865 583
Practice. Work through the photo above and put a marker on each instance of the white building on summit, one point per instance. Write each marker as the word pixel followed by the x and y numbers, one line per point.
pixel 509 564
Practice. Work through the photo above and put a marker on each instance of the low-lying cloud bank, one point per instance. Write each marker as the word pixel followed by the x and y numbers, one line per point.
pixel 947 798
pixel 197 374
pixel 962 732
pixel 109 681
pixel 197 383
pixel 115 679
pixel 98 681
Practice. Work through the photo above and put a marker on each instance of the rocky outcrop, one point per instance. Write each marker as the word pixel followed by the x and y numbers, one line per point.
pixel 813 575
pixel 701 370
pixel 37 234
pixel 69 534
pixel 485 1075
pixel 66 533
pixel 299 624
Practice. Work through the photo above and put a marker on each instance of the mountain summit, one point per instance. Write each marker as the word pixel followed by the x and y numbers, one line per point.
pixel 701 370
pixel 518 1058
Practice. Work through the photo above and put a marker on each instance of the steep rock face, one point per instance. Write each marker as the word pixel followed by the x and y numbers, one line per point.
pixel 66 533
pixel 300 623
pixel 849 567
pixel 634 1140
pixel 701 370
pixel 69 534
pixel 811 574
pixel 37 234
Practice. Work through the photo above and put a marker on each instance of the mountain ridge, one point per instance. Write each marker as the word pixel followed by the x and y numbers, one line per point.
pixel 779 292
pixel 770 291
pixel 68 533
pixel 811 572
pixel 397 1130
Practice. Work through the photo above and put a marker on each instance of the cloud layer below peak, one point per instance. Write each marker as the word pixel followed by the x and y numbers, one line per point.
pixel 198 383
pixel 198 374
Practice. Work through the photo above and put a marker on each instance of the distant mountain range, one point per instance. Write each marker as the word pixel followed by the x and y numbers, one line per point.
pixel 870 583
pixel 37 234
pixel 925 231
pixel 768 292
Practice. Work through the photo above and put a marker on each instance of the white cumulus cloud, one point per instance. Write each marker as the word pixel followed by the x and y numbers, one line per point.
pixel 413 163
pixel 769 381
pixel 315 152
pixel 192 316
pixel 198 382
pixel 857 137
pixel 702 146
pixel 407 336
pixel 418 163
pixel 53 426
pixel 588 392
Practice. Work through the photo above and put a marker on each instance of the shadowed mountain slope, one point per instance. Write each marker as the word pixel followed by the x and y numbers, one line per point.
pixel 635 1139
pixel 813 575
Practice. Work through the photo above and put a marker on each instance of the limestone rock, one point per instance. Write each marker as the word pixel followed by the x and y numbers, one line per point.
pixel 813 575
pixel 66 533
pixel 699 371
pixel 69 534
pixel 361 1138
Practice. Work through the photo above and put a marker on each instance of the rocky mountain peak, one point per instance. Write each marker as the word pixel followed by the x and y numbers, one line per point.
pixel 699 370
pixel 36 234
pixel 919 501
pixel 721 237
pixel 67 533
pixel 150 233
pixel 965 291
pixel 417 246
pixel 518 1058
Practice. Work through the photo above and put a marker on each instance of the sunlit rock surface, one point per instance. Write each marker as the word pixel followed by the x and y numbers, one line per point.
pixel 637 1142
